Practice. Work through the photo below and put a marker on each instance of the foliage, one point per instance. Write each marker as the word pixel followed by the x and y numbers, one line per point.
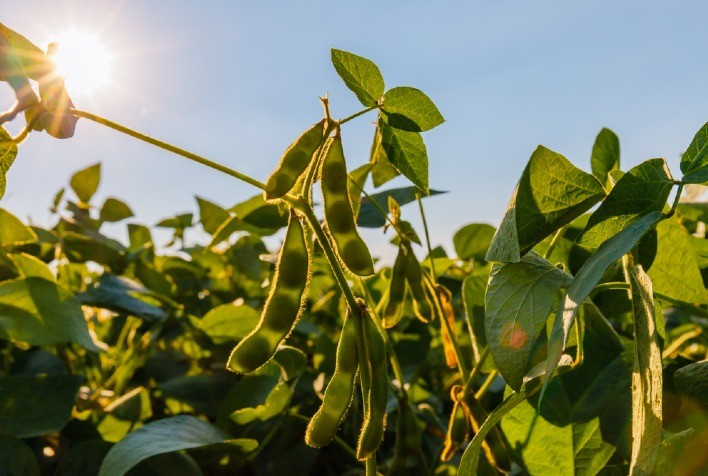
pixel 566 341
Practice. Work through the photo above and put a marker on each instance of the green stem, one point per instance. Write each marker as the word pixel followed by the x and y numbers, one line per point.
pixel 27 129
pixel 171 148
pixel 371 466
pixel 676 201
pixel 615 285
pixel 379 208
pixel 485 386
pixel 427 235
pixel 475 370
pixel 554 241
pixel 357 114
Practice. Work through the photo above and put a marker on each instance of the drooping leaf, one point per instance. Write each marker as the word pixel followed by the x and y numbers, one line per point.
pixel 642 190
pixel 41 312
pixel 552 192
pixel 410 109
pixel 694 162
pixel 587 278
pixel 229 323
pixel 473 240
pixel 114 210
pixel 605 155
pixel 164 436
pixel 675 270
pixel 647 377
pixel 211 215
pixel 13 231
pixel 85 182
pixel 369 214
pixel 34 405
pixel 519 299
pixel 121 294
pixel 406 151
pixel 16 458
pixel 360 75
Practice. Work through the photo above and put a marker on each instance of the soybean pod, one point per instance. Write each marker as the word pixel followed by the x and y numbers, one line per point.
pixel 444 297
pixel 283 306
pixel 414 276
pixel 375 390
pixel 338 212
pixel 397 291
pixel 458 429
pixel 294 162
pixel 340 390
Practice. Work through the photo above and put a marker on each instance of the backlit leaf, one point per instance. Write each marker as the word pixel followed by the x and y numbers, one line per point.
pixel 694 162
pixel 410 109
pixel 473 240
pixel 360 75
pixel 85 182
pixel 605 155
pixel 406 151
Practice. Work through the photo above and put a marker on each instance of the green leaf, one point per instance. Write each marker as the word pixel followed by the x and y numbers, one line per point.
pixel 229 323
pixel 30 56
pixel 691 381
pixel 675 270
pixel 177 222
pixel 41 312
pixel 647 380
pixel 369 214
pixel 85 182
pixel 644 189
pixel 382 170
pixel 587 278
pixel 552 192
pixel 211 215
pixel 605 155
pixel 473 240
pixel 29 266
pixel 410 109
pixel 360 75
pixel 406 151
pixel 13 231
pixel 114 210
pixel 277 400
pixel 164 436
pixel 84 458
pixel 8 152
pixel 694 162
pixel 358 176
pixel 519 299
pixel 121 294
pixel 38 404
pixel 16 458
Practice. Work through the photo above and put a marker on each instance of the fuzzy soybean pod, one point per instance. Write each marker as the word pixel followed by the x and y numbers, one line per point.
pixel 414 276
pixel 375 391
pixel 294 162
pixel 283 306
pixel 340 390
pixel 396 291
pixel 338 212
pixel 458 429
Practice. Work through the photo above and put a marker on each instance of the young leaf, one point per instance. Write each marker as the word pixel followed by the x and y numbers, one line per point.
pixel 647 378
pixel 164 436
pixel 519 299
pixel 360 75
pixel 114 210
pixel 644 189
pixel 85 182
pixel 605 155
pixel 473 240
pixel 586 279
pixel 694 162
pixel 552 192
pixel 410 109
pixel 406 151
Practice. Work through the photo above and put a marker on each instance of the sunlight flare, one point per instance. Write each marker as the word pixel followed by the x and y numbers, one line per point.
pixel 83 61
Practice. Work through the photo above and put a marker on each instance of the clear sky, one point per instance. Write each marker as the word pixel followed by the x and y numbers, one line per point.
pixel 237 81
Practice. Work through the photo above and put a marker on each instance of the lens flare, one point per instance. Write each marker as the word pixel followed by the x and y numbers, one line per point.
pixel 82 61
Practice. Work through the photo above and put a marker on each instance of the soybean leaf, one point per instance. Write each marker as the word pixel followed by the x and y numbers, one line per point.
pixel 41 312
pixel 694 162
pixel 605 155
pixel 406 151
pixel 211 215
pixel 358 176
pixel 276 401
pixel 16 458
pixel 410 109
pixel 519 299
pixel 203 392
pixel 585 280
pixel 552 192
pixel 30 56
pixel 29 266
pixel 177 222
pixel 255 215
pixel 229 323
pixel 473 295
pixel 13 231
pixel 84 458
pixel 691 381
pixel 675 270
pixel 85 182
pixel 644 189
pixel 114 210
pixel 473 240
pixel 360 75
pixel 382 170
pixel 8 152
pixel 371 217
pixel 38 404
pixel 121 294
pixel 647 378
pixel 164 436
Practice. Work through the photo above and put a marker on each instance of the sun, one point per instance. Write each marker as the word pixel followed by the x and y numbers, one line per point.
pixel 83 62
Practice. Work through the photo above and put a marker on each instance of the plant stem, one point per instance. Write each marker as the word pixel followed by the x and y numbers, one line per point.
pixel 427 236
pixel 337 440
pixel 614 285
pixel 371 466
pixel 554 241
pixel 487 383
pixel 27 129
pixel 676 201
pixel 169 147
pixel 357 114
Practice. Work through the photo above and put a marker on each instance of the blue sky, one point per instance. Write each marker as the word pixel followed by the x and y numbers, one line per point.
pixel 238 81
